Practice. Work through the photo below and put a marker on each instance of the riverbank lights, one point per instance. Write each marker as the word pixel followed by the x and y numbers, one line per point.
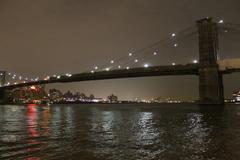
pixel 119 67
pixel 95 67
pixel 136 60
pixel 92 71
pixel 127 67
pixel 173 34
pixel 58 77
pixel 107 69
pixel 154 53
pixel 129 54
pixel 173 64
pixel 112 61
pixel 175 45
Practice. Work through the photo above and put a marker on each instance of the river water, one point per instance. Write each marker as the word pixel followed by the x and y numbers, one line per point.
pixel 120 132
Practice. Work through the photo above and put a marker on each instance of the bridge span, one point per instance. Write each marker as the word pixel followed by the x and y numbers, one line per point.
pixel 188 69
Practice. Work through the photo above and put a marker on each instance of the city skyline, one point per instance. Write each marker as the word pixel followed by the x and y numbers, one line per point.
pixel 72 37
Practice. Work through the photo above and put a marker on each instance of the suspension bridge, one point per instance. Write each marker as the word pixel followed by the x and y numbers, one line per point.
pixel 208 68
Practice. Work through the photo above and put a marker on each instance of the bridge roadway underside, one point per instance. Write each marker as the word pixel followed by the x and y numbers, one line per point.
pixel 189 69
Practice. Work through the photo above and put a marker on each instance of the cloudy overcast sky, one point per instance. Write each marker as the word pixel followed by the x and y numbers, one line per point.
pixel 44 37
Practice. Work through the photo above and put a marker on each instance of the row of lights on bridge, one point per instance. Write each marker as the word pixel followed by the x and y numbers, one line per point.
pixel 173 35
pixel 146 65
pixel 135 60
pixel 25 80
pixel 69 75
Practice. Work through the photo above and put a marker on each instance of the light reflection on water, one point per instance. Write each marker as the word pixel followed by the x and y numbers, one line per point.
pixel 119 132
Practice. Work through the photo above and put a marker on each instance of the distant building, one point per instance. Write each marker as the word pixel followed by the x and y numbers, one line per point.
pixel 55 95
pixel 68 96
pixel 112 98
pixel 29 94
pixel 19 95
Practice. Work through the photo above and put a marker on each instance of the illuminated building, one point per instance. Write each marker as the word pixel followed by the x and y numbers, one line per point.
pixel 30 94
pixel 55 95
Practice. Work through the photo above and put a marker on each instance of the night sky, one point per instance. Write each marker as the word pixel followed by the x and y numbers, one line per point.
pixel 44 37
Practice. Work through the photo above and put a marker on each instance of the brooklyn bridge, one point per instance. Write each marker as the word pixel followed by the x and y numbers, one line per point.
pixel 208 68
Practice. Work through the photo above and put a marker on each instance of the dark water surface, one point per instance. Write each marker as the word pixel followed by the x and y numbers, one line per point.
pixel 120 132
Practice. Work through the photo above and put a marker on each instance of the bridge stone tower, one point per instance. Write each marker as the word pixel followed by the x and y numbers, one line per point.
pixel 2 82
pixel 210 79
pixel 2 78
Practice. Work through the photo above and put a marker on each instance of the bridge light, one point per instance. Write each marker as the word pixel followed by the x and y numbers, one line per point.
pixel 175 45
pixel 130 54
pixel 95 67
pixel 112 61
pixel 173 64
pixel 127 67
pixel 173 34
pixel 68 74
pixel 46 78
pixel 195 61
pixel 107 69
pixel 119 67
pixel 154 53
pixel 146 65
pixel 136 60
pixel 221 21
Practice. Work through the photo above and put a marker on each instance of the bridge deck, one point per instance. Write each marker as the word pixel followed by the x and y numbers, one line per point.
pixel 189 69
